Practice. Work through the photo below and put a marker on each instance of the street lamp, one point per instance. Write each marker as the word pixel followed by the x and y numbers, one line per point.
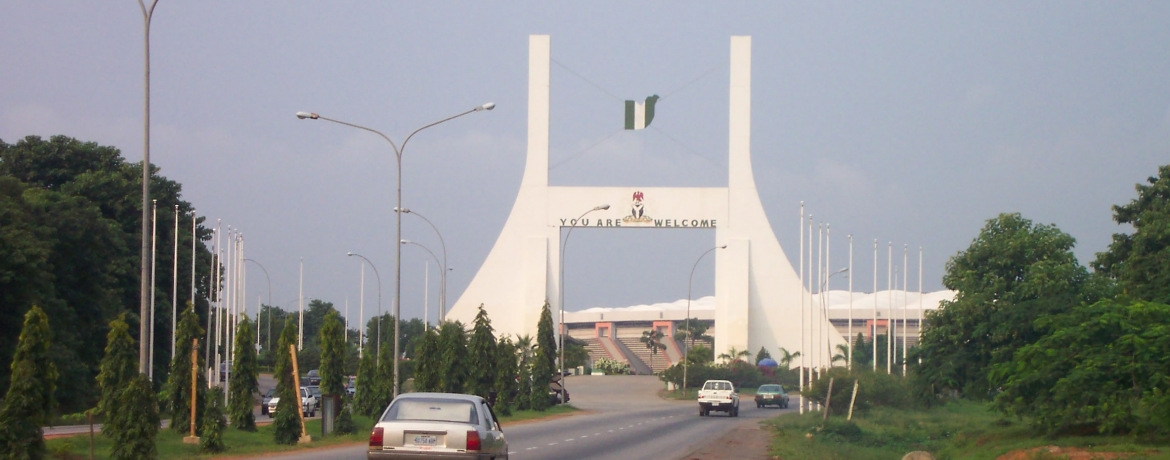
pixel 379 277
pixel 562 331
pixel 398 216
pixel 825 312
pixel 436 263
pixel 443 279
pixel 687 355
pixel 269 306
pixel 145 316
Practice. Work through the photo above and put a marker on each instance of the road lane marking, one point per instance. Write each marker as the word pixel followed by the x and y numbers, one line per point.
pixel 584 436
pixel 570 439
pixel 611 431
pixel 552 443
pixel 531 448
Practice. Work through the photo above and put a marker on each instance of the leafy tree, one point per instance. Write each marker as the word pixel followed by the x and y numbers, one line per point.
pixel 364 397
pixel 701 355
pixel 762 354
pixel 427 374
pixel 653 341
pixel 287 420
pixel 137 420
pixel 384 385
pixel 734 355
pixel 332 368
pixel 1013 273
pixel 1098 366
pixel 244 377
pixel 179 380
pixel 523 397
pixel 505 363
pixel 71 214
pixel 575 353
pixel 545 339
pixel 29 401
pixel 1140 262
pixel 697 330
pixel 453 357
pixel 345 424
pixel 482 351
pixel 118 368
pixel 211 437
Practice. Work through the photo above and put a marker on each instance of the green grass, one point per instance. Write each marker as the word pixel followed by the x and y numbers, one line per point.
pixel 170 444
pixel 960 430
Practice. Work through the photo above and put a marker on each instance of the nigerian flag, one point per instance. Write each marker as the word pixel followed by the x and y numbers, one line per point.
pixel 639 116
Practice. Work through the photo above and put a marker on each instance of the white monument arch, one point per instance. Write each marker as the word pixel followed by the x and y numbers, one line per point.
pixel 757 291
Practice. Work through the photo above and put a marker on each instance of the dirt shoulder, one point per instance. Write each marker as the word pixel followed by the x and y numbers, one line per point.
pixel 749 440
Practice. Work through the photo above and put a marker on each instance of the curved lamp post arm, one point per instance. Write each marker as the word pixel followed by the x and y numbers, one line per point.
pixel 269 278
pixel 562 331
pixel 443 296
pixel 379 277
pixel 687 355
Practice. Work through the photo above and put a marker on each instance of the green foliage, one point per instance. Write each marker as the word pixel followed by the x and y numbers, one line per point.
pixel 874 389
pixel 213 422
pixel 178 386
pixel 523 397
pixel 1140 262
pixel 365 397
pixel 384 385
pixel 742 374
pixel 612 367
pixel 244 377
pixel 653 341
pixel 700 355
pixel 137 420
pixel 118 367
pixel 546 341
pixel 763 354
pixel 482 354
pixel 506 372
pixel 71 213
pixel 575 353
pixel 287 419
pixel 332 340
pixel 428 362
pixel 29 401
pixel 344 424
pixel 1102 366
pixel 1013 273
pixel 693 330
pixel 453 355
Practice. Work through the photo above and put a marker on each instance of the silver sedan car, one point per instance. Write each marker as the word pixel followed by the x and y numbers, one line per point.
pixel 438 425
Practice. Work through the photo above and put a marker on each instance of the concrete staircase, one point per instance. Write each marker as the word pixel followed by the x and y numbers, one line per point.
pixel 635 345
pixel 597 350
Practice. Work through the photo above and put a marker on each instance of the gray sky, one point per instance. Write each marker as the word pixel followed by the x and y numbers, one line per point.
pixel 905 122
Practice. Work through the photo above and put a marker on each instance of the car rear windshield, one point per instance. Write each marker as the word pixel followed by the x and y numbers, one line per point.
pixel 769 389
pixel 432 409
pixel 717 386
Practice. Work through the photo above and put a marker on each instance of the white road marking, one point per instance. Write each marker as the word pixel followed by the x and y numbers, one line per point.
pixel 570 439
pixel 532 448
pixel 611 431
pixel 598 434
pixel 552 443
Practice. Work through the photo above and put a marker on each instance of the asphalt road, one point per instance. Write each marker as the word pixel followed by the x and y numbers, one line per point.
pixel 625 419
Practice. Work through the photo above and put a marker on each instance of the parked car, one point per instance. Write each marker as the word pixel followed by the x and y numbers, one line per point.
pixel 266 399
pixel 310 402
pixel 225 369
pixel 313 378
pixel 718 395
pixel 772 395
pixel 445 425
pixel 557 393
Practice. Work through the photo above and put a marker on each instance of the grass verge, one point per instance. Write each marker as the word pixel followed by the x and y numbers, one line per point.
pixel 242 443
pixel 959 430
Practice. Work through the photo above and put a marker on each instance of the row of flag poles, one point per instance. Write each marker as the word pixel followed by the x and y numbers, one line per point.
pixel 815 342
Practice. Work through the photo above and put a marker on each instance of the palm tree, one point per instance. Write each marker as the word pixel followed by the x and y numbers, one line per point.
pixel 653 341
pixel 786 357
pixel 733 355
pixel 842 354
pixel 525 347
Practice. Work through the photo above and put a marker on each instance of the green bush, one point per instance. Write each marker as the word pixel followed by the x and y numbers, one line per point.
pixel 612 367
pixel 874 389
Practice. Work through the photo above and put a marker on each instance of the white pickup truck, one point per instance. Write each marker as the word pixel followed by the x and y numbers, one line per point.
pixel 718 395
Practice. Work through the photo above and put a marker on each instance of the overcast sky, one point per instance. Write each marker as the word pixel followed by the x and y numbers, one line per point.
pixel 910 123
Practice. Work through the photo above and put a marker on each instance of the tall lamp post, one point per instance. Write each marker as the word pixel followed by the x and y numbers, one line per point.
pixel 378 353
pixel 145 316
pixel 443 279
pixel 561 371
pixel 398 216
pixel 825 312
pixel 432 256
pixel 269 347
pixel 687 355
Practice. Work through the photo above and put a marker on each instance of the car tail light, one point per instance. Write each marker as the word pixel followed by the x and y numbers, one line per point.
pixel 473 440
pixel 376 438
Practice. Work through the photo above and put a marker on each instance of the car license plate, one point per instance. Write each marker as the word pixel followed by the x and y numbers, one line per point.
pixel 767 396
pixel 425 440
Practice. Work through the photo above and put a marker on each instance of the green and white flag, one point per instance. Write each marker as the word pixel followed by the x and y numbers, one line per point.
pixel 639 116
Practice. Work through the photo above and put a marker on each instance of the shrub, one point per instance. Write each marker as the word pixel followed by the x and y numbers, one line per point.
pixel 612 367
pixel 874 389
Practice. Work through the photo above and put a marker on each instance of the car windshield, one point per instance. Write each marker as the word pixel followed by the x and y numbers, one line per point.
pixel 315 391
pixel 769 389
pixel 717 386
pixel 433 409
